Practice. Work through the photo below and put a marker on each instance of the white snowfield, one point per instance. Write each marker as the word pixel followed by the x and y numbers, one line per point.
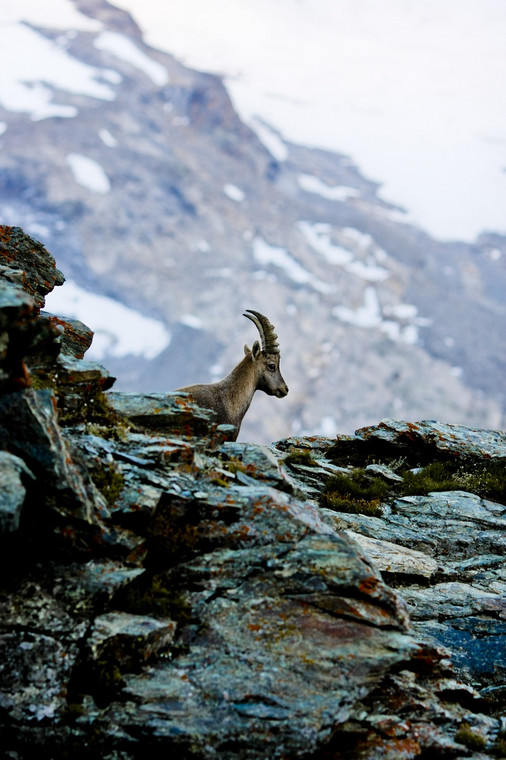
pixel 413 92
pixel 119 330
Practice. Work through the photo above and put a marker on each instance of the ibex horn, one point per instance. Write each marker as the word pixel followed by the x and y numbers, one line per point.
pixel 266 330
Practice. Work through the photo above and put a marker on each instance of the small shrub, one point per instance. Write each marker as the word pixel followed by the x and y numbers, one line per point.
pixel 500 745
pixel 437 476
pixel 109 481
pixel 354 493
pixel 300 456
pixel 153 594
pixel 469 738
pixel 486 479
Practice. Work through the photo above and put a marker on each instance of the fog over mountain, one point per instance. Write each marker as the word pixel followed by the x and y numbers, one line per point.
pixel 170 214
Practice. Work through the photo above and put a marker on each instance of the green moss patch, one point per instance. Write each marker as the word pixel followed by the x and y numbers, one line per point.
pixel 300 456
pixel 486 479
pixel 355 493
pixel 109 481
pixel 469 738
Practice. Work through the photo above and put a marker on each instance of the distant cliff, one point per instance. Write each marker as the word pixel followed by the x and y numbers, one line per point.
pixel 146 185
pixel 165 591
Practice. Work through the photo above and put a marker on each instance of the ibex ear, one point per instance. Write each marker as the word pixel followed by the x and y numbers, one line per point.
pixel 247 350
pixel 256 350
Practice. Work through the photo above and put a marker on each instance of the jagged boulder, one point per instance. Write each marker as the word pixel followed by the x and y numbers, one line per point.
pixel 25 263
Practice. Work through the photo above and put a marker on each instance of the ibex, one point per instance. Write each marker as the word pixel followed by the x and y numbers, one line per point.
pixel 231 397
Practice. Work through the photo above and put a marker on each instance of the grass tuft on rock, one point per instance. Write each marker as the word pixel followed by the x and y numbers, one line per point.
pixel 354 493
pixel 300 456
pixel 469 738
pixel 486 479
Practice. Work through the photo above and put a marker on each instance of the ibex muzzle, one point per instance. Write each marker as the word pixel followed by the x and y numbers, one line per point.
pixel 231 397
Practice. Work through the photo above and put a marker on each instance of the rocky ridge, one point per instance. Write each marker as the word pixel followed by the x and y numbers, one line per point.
pixel 167 590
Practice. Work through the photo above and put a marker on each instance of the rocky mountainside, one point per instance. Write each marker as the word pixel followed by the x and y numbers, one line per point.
pixel 139 176
pixel 166 591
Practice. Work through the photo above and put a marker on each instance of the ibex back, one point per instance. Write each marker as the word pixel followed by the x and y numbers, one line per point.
pixel 259 370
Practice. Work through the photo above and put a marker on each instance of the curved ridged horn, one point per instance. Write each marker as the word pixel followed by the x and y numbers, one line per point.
pixel 266 330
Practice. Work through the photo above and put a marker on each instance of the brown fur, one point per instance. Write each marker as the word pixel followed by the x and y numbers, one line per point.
pixel 231 397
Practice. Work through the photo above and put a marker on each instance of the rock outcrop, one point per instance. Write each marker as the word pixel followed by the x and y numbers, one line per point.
pixel 167 591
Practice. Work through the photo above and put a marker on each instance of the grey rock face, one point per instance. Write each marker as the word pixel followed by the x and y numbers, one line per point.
pixel 13 471
pixel 165 588
pixel 443 550
pixel 27 264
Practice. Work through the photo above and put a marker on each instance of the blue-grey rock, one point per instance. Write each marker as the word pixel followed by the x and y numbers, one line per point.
pixel 13 471
pixel 128 639
pixel 20 252
pixel 76 336
pixel 29 426
pixel 172 413
pixel 456 440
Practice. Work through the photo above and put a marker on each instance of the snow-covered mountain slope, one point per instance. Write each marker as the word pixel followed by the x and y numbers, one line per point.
pixel 139 176
pixel 413 92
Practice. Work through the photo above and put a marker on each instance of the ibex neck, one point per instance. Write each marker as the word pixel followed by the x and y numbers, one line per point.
pixel 238 389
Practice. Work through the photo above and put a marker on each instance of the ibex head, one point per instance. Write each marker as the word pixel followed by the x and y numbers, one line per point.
pixel 266 357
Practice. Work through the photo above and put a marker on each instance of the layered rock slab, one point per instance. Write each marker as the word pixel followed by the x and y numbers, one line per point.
pixel 444 551
pixel 294 626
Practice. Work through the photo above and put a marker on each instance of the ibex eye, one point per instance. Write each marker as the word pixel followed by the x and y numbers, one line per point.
pixel 272 367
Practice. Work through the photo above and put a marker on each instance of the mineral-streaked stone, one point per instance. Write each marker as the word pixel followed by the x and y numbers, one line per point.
pixel 18 251
pixel 173 413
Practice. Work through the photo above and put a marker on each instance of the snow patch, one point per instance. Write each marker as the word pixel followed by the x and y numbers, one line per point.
pixel 37 230
pixel 88 173
pixel 3 127
pixel 268 254
pixel 271 139
pixel 389 83
pixel 362 239
pixel 29 87
pixel 190 320
pixel 107 138
pixel 319 238
pixel 119 330
pixel 312 184
pixel 126 50
pixel 370 316
pixel 402 311
pixel 368 271
pixel 328 427
pixel 234 193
